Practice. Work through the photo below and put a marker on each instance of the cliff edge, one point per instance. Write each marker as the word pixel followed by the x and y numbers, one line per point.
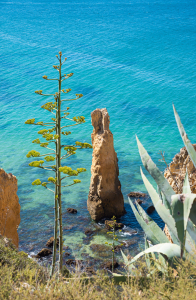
pixel 9 207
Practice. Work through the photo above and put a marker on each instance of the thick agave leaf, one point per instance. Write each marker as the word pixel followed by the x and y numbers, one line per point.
pixel 181 207
pixel 153 226
pixel 159 263
pixel 186 202
pixel 167 249
pixel 163 199
pixel 191 229
pixel 150 166
pixel 150 232
pixel 163 263
pixel 186 185
pixel 192 154
pixel 151 259
pixel 126 261
pixel 147 257
pixel 187 143
pixel 178 214
pixel 173 237
pixel 142 212
pixel 165 202
pixel 193 213
pixel 165 213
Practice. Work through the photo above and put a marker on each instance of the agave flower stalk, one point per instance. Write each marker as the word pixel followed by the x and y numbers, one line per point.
pixel 56 138
pixel 58 165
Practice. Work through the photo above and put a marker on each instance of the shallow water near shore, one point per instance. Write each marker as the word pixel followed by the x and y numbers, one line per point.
pixel 133 57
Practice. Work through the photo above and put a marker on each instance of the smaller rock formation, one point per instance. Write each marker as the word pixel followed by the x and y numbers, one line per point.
pixel 73 262
pixel 89 231
pixel 150 209
pixel 105 199
pixel 177 171
pixel 110 224
pixel 136 194
pixel 44 252
pixel 139 201
pixel 72 210
pixel 51 241
pixel 108 265
pixel 9 207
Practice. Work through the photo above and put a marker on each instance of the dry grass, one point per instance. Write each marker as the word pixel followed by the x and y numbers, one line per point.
pixel 21 278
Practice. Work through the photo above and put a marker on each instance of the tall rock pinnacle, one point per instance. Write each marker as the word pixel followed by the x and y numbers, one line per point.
pixel 105 198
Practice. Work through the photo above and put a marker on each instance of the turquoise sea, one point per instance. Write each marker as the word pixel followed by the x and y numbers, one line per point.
pixel 134 57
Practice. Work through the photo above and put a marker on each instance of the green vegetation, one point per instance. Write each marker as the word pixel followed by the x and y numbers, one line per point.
pixel 177 212
pixel 54 136
pixel 164 270
pixel 22 278
pixel 114 238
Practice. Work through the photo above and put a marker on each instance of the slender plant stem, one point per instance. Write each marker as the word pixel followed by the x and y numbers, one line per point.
pixel 58 129
pixel 113 248
pixel 55 232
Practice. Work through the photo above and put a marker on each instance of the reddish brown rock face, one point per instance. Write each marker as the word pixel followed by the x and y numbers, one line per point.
pixel 9 206
pixel 176 174
pixel 105 198
pixel 177 171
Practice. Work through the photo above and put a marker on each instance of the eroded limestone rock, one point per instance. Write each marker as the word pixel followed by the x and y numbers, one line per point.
pixel 177 171
pixel 105 198
pixel 9 206
pixel 176 174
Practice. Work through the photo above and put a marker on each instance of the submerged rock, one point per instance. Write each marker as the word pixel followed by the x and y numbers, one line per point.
pixel 110 224
pixel 72 210
pixel 136 194
pixel 73 262
pixel 9 207
pixel 44 252
pixel 139 201
pixel 51 241
pixel 150 209
pixel 65 247
pixel 99 247
pixel 117 248
pixel 89 231
pixel 105 199
pixel 130 242
pixel 108 265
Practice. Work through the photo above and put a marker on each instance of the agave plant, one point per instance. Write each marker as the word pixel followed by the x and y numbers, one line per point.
pixel 178 212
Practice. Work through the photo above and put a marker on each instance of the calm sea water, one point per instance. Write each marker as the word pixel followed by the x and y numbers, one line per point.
pixel 133 57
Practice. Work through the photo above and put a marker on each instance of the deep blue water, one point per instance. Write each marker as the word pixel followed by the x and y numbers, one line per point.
pixel 135 58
